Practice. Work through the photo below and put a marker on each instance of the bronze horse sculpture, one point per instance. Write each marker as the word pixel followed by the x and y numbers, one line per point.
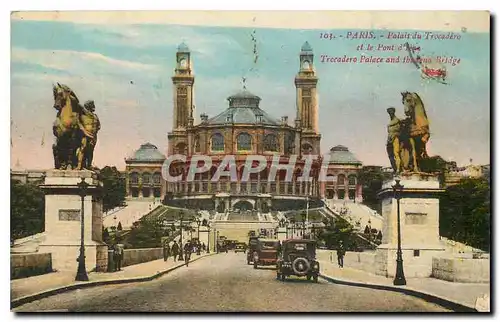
pixel 408 137
pixel 75 129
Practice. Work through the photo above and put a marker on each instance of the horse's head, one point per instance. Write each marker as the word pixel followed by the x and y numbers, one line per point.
pixel 414 108
pixel 61 95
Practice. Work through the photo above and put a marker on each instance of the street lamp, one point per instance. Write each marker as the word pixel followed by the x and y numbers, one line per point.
pixel 217 241
pixel 208 239
pixel 81 274
pixel 399 279
pixel 303 225
pixel 181 217
pixel 198 221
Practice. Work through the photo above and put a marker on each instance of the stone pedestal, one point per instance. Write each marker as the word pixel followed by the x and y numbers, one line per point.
pixel 419 213
pixel 63 222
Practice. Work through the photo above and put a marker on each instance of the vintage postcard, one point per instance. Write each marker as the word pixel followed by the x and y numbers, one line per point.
pixel 250 161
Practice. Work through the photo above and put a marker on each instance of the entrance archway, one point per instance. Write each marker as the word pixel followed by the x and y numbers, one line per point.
pixel 243 205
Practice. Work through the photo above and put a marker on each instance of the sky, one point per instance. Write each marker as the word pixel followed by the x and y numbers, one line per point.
pixel 126 68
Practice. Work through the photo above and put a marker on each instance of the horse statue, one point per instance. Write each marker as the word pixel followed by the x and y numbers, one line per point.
pixel 414 133
pixel 75 129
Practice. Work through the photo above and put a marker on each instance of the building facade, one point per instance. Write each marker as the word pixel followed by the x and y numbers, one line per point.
pixel 143 173
pixel 244 128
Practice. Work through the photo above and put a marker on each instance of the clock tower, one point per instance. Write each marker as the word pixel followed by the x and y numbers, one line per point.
pixel 183 81
pixel 307 102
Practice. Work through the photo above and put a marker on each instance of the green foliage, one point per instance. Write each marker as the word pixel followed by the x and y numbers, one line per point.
pixel 337 230
pixel 145 234
pixel 465 213
pixel 434 164
pixel 371 178
pixel 113 186
pixel 27 209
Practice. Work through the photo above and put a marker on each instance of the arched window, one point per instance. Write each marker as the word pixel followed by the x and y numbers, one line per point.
pixel 156 178
pixel 307 148
pixel 134 178
pixel 271 143
pixel 217 142
pixel 352 179
pixel 244 141
pixel 146 178
pixel 340 179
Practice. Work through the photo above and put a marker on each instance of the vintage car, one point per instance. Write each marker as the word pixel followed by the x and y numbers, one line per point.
pixel 240 248
pixel 252 246
pixel 266 252
pixel 298 257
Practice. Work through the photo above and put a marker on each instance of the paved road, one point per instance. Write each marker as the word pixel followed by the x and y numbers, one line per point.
pixel 225 283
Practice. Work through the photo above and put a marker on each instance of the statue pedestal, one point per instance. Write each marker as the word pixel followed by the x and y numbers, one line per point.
pixel 63 222
pixel 419 213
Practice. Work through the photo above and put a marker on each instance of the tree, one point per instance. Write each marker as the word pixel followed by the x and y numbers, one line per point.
pixel 27 209
pixel 465 213
pixel 114 189
pixel 146 233
pixel 337 230
pixel 371 179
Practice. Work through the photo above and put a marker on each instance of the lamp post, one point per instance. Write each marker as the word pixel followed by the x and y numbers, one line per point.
pixel 304 226
pixel 399 279
pixel 81 274
pixel 208 239
pixel 198 221
pixel 217 241
pixel 181 217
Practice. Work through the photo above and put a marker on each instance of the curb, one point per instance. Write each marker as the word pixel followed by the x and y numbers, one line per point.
pixel 429 297
pixel 43 294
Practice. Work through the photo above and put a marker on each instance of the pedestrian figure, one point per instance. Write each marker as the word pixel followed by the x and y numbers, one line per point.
pixel 175 251
pixel 341 254
pixel 118 257
pixel 166 251
pixel 188 248
pixel 204 247
pixel 198 249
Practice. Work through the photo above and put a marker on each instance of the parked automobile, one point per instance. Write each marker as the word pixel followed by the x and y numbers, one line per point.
pixel 298 257
pixel 266 252
pixel 240 248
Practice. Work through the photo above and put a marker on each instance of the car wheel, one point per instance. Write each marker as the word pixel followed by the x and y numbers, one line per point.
pixel 283 277
pixel 300 266
pixel 255 265
pixel 278 275
pixel 315 278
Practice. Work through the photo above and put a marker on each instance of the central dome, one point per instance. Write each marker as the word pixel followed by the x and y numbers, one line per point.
pixel 244 99
pixel 243 109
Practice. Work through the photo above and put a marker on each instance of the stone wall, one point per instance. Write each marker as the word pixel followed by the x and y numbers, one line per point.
pixel 25 265
pixel 137 256
pixel 463 270
pixel 364 261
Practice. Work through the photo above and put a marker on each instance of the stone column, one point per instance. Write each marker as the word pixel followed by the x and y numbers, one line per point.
pixel 140 186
